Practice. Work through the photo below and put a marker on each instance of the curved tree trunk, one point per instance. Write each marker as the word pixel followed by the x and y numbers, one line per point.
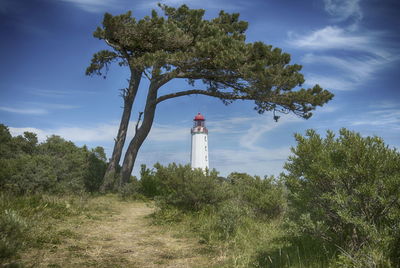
pixel 140 135
pixel 129 97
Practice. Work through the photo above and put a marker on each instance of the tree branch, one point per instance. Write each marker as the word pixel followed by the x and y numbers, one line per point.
pixel 118 48
pixel 221 95
pixel 138 121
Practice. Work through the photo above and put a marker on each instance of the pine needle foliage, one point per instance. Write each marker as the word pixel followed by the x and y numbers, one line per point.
pixel 211 55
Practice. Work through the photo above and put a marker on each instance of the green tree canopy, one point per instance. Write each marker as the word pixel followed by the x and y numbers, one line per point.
pixel 181 44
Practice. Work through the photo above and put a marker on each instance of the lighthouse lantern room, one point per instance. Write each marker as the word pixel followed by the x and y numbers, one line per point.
pixel 199 152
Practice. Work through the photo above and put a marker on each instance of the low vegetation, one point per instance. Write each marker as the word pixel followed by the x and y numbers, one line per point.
pixel 336 205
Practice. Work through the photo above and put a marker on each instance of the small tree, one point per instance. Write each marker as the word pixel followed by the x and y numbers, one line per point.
pixel 183 45
pixel 345 192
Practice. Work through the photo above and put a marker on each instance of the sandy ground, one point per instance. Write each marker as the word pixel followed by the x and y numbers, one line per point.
pixel 122 237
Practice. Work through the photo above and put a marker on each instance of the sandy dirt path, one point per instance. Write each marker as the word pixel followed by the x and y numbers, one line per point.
pixel 122 237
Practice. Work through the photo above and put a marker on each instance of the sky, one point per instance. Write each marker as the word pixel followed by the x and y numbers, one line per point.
pixel 350 47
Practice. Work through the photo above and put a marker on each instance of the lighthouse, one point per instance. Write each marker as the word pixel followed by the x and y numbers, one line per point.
pixel 199 153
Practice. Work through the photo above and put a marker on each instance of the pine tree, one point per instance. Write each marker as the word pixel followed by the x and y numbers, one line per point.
pixel 181 44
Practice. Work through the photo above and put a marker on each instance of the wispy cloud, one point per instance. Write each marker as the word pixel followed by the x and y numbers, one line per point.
pixel 24 110
pixel 205 4
pixel 49 93
pixel 330 82
pixel 104 132
pixel 353 71
pixel 389 119
pixel 354 54
pixel 388 104
pixel 365 54
pixel 255 162
pixel 259 128
pixel 334 37
pixel 37 108
pixel 229 125
pixel 168 133
pixel 94 5
pixel 343 10
pixel 52 106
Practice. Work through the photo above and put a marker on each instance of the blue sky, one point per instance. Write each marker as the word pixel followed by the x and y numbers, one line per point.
pixel 350 47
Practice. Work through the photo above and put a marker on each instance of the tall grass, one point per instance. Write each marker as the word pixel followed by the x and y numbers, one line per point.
pixel 28 221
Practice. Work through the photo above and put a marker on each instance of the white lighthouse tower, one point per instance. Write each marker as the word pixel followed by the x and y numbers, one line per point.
pixel 199 153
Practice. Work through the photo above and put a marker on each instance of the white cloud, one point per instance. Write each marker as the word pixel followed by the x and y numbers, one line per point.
pixel 359 68
pixel 229 125
pixel 94 5
pixel 330 82
pixel 389 119
pixel 333 37
pixel 38 111
pixel 104 132
pixel 353 71
pixel 368 54
pixel 49 93
pixel 255 162
pixel 44 108
pixel 342 10
pixel 385 105
pixel 20 131
pixel 168 133
pixel 259 128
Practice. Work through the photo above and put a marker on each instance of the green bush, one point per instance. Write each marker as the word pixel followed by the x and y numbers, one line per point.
pixel 35 174
pixel 95 170
pixel 230 216
pixel 181 187
pixel 265 197
pixel 131 191
pixel 344 194
pixel 187 189
pixel 54 166
pixel 149 183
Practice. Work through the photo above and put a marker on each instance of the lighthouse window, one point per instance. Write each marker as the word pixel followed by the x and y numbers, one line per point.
pixel 205 147
pixel 205 138
pixel 206 158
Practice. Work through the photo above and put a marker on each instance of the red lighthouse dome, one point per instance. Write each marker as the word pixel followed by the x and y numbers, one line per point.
pixel 199 117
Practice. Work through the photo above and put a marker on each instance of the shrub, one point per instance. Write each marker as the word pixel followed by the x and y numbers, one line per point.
pixel 229 217
pixel 96 167
pixel 149 182
pixel 344 192
pixel 184 188
pixel 131 190
pixel 54 166
pixel 265 197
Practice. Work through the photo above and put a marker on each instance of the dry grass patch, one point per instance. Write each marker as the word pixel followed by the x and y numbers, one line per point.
pixel 115 233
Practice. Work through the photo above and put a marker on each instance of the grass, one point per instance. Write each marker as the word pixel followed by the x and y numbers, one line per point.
pixel 245 242
pixel 36 222
pixel 90 231
pixel 105 231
